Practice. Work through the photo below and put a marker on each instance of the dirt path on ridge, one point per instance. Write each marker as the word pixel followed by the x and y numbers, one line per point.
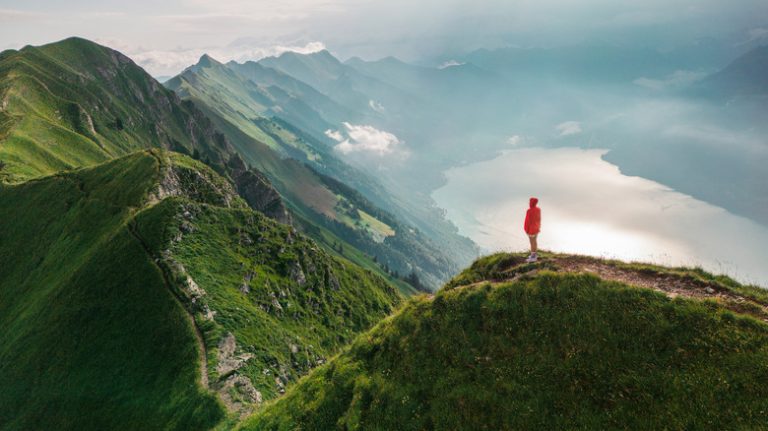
pixel 669 283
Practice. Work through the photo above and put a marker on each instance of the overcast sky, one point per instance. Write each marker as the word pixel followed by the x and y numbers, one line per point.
pixel 166 36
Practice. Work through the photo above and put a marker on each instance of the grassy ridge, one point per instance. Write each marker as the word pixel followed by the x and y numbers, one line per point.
pixel 98 327
pixel 92 337
pixel 550 352
pixel 288 304
pixel 499 266
pixel 75 103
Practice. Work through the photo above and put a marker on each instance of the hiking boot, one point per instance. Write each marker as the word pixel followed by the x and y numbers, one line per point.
pixel 532 258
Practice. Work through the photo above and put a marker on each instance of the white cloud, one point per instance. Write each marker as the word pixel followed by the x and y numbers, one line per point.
pixel 568 128
pixel 335 135
pixel 515 140
pixel 365 139
pixel 376 106
pixel 450 63
pixel 677 79
pixel 171 62
pixel 373 29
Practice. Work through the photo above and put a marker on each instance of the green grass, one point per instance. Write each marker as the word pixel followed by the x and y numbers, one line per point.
pixel 327 239
pixel 499 265
pixel 376 225
pixel 56 92
pixel 97 332
pixel 551 352
pixel 75 103
pixel 230 248
pixel 293 160
pixel 92 339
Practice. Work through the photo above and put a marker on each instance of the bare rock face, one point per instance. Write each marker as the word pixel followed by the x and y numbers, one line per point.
pixel 245 287
pixel 194 184
pixel 239 395
pixel 228 361
pixel 331 279
pixel 297 274
pixel 169 185
pixel 255 188
pixel 235 390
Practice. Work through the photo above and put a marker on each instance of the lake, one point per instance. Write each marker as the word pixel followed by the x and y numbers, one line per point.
pixel 589 207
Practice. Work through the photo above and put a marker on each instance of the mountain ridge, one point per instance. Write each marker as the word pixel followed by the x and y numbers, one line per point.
pixel 171 277
pixel 549 345
pixel 241 107
pixel 73 103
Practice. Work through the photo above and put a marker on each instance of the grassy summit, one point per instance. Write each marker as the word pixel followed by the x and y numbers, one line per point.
pixel 136 291
pixel 544 347
pixel 76 103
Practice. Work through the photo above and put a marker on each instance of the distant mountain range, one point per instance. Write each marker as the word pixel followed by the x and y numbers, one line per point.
pixel 256 105
pixel 97 104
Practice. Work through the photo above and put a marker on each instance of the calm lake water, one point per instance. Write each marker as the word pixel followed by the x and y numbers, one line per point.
pixel 589 207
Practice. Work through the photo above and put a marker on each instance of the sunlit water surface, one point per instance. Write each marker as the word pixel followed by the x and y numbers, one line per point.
pixel 589 207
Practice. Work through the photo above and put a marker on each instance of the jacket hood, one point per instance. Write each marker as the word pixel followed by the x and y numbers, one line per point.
pixel 533 202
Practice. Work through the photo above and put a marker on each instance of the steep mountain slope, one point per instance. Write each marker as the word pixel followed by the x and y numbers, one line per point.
pixel 242 100
pixel 373 101
pixel 509 346
pixel 119 109
pixel 328 75
pixel 142 292
pixel 319 194
pixel 75 103
pixel 296 102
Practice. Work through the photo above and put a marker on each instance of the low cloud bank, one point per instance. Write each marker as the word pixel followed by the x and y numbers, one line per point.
pixel 365 139
pixel 569 128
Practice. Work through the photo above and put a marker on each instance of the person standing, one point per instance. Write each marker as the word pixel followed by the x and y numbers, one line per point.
pixel 532 227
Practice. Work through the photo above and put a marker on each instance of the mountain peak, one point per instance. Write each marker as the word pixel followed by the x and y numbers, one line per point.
pixel 207 61
pixel 69 46
pixel 74 41
pixel 323 55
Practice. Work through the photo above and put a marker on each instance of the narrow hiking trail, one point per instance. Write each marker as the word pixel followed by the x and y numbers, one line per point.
pixel 670 283
pixel 202 350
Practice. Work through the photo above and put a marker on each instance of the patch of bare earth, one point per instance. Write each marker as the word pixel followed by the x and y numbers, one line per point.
pixel 671 284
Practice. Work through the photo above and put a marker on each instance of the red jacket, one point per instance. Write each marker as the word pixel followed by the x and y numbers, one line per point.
pixel 533 218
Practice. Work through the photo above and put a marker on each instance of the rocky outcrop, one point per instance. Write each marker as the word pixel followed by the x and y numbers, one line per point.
pixel 196 184
pixel 258 192
pixel 228 362
pixel 239 395
pixel 235 390
pixel 297 274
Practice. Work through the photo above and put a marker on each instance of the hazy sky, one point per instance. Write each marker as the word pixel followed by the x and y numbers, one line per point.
pixel 166 36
